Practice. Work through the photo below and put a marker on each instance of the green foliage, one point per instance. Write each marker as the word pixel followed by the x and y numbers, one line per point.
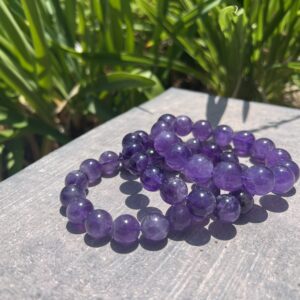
pixel 66 66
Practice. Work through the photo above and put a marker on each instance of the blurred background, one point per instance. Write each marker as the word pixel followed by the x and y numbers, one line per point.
pixel 69 65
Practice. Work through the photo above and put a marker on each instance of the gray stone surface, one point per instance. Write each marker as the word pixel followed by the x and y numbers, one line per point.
pixel 258 259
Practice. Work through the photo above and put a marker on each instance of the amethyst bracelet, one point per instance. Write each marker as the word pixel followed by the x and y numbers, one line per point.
pixel 222 187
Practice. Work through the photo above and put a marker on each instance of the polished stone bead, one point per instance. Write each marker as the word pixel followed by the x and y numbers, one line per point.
pixel 167 118
pixel 152 178
pixel 77 178
pixel 211 150
pixel 292 166
pixel 154 158
pixel 177 157
pixel 228 156
pixel 260 148
pixel 92 169
pixel 243 142
pixel 110 163
pixel 194 145
pixel 198 168
pixel 126 229
pixel 137 163
pixel 183 125
pixel 179 217
pixel 173 190
pixel 208 185
pixel 99 224
pixel 70 193
pixel 131 149
pixel 246 200
pixel 78 210
pixel 258 180
pixel 284 180
pixel 131 138
pixel 164 141
pixel 223 135
pixel 201 202
pixel 159 127
pixel 228 208
pixel 155 227
pixel 227 176
pixel 202 130
pixel 145 137
pixel 275 156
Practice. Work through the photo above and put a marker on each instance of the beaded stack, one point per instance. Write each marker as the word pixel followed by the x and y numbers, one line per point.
pixel 222 187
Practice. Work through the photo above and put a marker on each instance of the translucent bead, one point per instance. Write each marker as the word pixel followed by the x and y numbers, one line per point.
pixel 177 157
pixel 209 185
pixel 243 142
pixel 292 166
pixel 168 118
pixel 159 127
pixel 155 227
pixel 183 125
pixel 110 163
pixel 99 224
pixel 152 178
pixel 131 149
pixel 228 156
pixel 154 158
pixel 258 180
pixel 246 200
pixel 145 137
pixel 275 156
pixel 137 163
pixel 223 135
pixel 126 229
pixel 70 193
pixel 228 208
pixel 164 141
pixel 227 176
pixel 194 145
pixel 131 138
pixel 78 210
pixel 92 169
pixel 260 149
pixel 173 190
pixel 202 130
pixel 179 217
pixel 284 179
pixel 77 178
pixel 211 150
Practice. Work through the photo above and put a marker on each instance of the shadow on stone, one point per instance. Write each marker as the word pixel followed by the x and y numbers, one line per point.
pixel 257 214
pixel 274 203
pixel 127 176
pixel 130 187
pixel 199 236
pixel 146 211
pixel 151 245
pixel 290 193
pixel 75 228
pixel 215 109
pixel 222 231
pixel 62 211
pixel 96 243
pixel 137 201
pixel 123 249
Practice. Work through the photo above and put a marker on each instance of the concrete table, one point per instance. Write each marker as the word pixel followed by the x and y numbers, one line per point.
pixel 258 258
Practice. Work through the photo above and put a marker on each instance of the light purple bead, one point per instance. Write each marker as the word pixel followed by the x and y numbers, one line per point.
pixel 179 217
pixel 183 125
pixel 159 127
pixel 194 145
pixel 137 163
pixel 227 176
pixel 126 229
pixel 70 193
pixel 110 163
pixel 228 208
pixel 211 150
pixel 275 156
pixel 258 180
pixel 131 149
pixel 223 135
pixel 164 141
pixel 260 148
pixel 243 142
pixel 155 227
pixel 92 169
pixel 168 118
pixel 198 168
pixel 202 130
pixel 144 136
pixel 246 200
pixel 177 157
pixel 78 210
pixel 292 166
pixel 152 178
pixel 77 178
pixel 201 202
pixel 284 179
pixel 99 224
pixel 173 190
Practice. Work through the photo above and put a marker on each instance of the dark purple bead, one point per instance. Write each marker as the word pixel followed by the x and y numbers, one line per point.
pixel 110 163
pixel 209 186
pixel 177 157
pixel 131 138
pixel 126 229
pixel 152 178
pixel 137 163
pixel 258 180
pixel 194 145
pixel 284 180
pixel 173 190
pixel 164 141
pixel 292 166
pixel 183 125
pixel 228 156
pixel 246 200
pixel 243 142
pixel 131 149
pixel 70 193
pixel 78 210
pixel 244 167
pixel 211 150
pixel 227 176
pixel 144 136
pixel 154 158
pixel 77 178
pixel 92 169
pixel 275 156
pixel 202 130
pixel 155 227
pixel 159 127
pixel 228 208
pixel 223 135
pixel 179 217
pixel 167 118
pixel 260 148
pixel 201 202
pixel 99 224
pixel 198 168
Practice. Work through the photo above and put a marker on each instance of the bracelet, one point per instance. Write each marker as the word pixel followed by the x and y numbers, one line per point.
pixel 166 163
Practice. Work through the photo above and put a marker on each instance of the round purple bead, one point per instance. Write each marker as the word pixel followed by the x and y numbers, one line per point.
pixel 92 169
pixel 284 179
pixel 154 157
pixel 209 185
pixel 126 229
pixel 167 118
pixel 292 166
pixel 131 138
pixel 211 150
pixel 260 148
pixel 99 224
pixel 201 202
pixel 258 180
pixel 179 217
pixel 276 156
pixel 164 141
pixel 243 142
pixel 144 136
pixel 183 125
pixel 173 190
pixel 223 135
pixel 228 156
pixel 246 200
pixel 78 210
pixel 70 193
pixel 227 176
pixel 131 149
pixel 228 208
pixel 194 145
pixel 110 163
pixel 137 163
pixel 77 178
pixel 152 178
pixel 177 157
pixel 155 227
pixel 202 130
pixel 159 127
